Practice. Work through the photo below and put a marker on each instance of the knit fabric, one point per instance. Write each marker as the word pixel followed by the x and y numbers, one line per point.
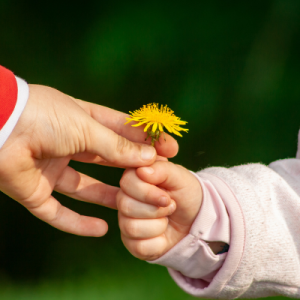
pixel 263 204
pixel 192 256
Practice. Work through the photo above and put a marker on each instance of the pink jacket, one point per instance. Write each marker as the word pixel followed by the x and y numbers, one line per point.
pixel 261 222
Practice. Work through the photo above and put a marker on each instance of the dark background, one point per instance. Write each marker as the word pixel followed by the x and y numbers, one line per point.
pixel 229 68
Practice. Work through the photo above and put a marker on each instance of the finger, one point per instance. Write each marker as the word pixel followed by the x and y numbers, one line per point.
pixel 166 146
pixel 82 187
pixel 87 157
pixel 161 158
pixel 142 228
pixel 62 218
pixel 182 186
pixel 132 208
pixel 115 120
pixel 91 158
pixel 142 191
pixel 166 175
pixel 147 249
pixel 114 148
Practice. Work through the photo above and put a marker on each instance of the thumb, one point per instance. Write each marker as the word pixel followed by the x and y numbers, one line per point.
pixel 115 149
pixel 166 175
pixel 182 186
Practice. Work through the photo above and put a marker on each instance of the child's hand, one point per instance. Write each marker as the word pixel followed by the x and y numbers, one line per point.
pixel 157 206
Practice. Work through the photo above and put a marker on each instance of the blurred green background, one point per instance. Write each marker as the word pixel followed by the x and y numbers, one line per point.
pixel 230 68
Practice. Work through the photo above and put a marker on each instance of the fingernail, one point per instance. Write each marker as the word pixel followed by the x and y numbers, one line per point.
pixel 148 170
pixel 148 152
pixel 163 201
pixel 172 208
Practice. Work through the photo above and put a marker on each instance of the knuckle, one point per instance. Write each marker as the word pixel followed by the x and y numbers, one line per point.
pixel 130 228
pixel 124 207
pixel 161 212
pixel 161 164
pixel 123 146
pixel 125 180
pixel 135 247
pixel 149 195
pixel 141 250
pixel 119 198
pixel 179 167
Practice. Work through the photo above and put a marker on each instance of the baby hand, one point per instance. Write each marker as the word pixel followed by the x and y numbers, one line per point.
pixel 157 206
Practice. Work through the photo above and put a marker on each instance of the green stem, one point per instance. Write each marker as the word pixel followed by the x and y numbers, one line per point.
pixel 154 135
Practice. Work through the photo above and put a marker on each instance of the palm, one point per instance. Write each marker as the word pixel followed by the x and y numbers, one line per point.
pixel 55 128
pixel 43 177
pixel 188 202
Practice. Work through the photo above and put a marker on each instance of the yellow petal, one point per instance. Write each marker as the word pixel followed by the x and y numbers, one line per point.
pixel 128 121
pixel 138 124
pixel 149 124
pixel 178 128
pixel 154 127
pixel 169 128
pixel 176 132
pixel 157 116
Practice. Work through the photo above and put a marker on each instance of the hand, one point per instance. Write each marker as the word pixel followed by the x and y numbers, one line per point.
pixel 55 128
pixel 149 228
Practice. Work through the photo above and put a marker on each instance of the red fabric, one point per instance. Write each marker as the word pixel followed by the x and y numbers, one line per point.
pixel 8 94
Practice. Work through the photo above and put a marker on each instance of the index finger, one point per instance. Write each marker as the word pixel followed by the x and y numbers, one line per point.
pixel 115 121
pixel 134 187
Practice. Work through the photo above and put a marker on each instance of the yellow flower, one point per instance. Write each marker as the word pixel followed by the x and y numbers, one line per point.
pixel 156 119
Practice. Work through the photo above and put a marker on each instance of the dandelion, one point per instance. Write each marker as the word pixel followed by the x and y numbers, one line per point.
pixel 156 119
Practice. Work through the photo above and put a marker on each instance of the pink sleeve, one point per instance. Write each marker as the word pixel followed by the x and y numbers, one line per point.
pixel 263 204
pixel 298 152
pixel 192 256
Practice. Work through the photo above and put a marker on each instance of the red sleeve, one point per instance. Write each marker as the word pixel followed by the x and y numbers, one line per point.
pixel 8 94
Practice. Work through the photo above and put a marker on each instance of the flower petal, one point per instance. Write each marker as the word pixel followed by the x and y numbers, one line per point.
pixel 157 116
pixel 139 124
pixel 149 124
pixel 168 127
pixel 128 120
pixel 154 127
pixel 176 132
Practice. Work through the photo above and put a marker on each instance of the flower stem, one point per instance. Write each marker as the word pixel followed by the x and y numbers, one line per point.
pixel 154 136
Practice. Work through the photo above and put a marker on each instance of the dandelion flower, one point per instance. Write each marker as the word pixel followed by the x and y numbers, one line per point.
pixel 156 119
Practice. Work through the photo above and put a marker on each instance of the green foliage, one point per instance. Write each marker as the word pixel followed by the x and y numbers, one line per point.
pixel 125 282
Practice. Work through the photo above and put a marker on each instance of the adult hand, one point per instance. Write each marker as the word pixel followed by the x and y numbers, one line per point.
pixel 55 128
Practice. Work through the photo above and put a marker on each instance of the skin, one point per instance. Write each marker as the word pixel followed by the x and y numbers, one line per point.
pixel 55 128
pixel 148 231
